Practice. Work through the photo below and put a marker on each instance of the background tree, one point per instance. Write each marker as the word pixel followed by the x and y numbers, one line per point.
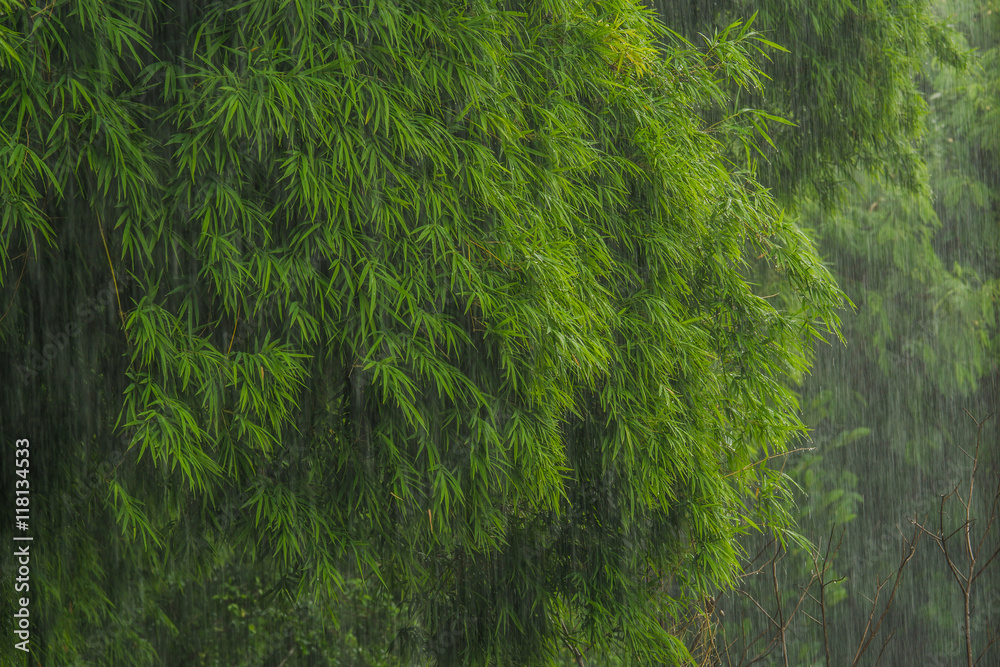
pixel 893 163
pixel 923 273
pixel 847 79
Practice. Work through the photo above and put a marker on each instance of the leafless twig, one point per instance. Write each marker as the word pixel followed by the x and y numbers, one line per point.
pixel 975 561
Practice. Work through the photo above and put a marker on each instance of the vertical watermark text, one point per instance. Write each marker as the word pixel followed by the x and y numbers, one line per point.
pixel 22 546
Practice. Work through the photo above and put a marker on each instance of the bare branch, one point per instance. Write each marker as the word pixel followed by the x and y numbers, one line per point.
pixel 906 557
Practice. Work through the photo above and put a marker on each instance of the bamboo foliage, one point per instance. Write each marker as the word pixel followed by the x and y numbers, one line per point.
pixel 409 284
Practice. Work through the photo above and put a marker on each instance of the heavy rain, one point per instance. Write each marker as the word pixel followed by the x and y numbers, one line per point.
pixel 381 333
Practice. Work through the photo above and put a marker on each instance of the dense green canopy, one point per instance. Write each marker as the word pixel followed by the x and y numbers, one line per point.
pixel 447 295
pixel 443 304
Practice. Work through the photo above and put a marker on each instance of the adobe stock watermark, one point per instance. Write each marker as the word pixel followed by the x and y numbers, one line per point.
pixel 85 312
pixel 236 506
pixel 983 628
pixel 22 543
pixel 448 636
pixel 886 548
pixel 99 477
pixel 983 637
